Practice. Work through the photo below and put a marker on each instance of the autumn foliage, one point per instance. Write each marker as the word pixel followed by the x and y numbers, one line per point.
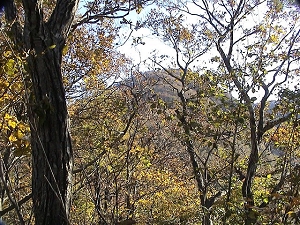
pixel 208 134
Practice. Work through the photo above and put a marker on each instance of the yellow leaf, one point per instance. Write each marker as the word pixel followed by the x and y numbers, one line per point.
pixel 139 9
pixel 7 53
pixel 22 127
pixel 109 168
pixel 65 50
pixel 10 67
pixel 12 123
pixel 52 46
pixel 12 138
pixel 262 28
pixel 291 213
pixel 274 38
pixel 7 116
pixel 19 134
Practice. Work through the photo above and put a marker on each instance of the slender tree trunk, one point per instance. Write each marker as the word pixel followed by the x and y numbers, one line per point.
pixel 196 169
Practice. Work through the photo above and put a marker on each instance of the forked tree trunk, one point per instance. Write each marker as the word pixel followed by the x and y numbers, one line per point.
pixel 50 139
pixel 52 154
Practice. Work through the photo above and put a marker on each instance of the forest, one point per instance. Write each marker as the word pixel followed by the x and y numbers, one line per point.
pixel 207 133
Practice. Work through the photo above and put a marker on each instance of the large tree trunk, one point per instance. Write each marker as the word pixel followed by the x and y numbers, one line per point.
pixel 50 140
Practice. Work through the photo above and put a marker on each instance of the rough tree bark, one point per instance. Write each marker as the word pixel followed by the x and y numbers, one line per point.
pixel 43 42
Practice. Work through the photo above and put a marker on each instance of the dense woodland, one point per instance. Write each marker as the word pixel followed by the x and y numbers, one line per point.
pixel 207 134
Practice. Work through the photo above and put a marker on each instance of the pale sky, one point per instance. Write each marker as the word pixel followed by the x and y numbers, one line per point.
pixel 139 53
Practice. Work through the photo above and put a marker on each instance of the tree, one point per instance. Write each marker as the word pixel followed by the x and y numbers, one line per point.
pixel 275 36
pixel 276 53
pixel 39 31
pixel 191 91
